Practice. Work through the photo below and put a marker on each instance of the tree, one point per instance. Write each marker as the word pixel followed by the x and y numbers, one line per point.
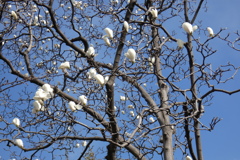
pixel 107 79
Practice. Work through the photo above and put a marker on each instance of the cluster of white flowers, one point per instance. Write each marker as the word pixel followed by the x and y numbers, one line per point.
pixel 64 66
pixel 78 4
pixel 123 98
pixel 106 40
pixel 109 34
pixel 73 106
pixel 42 94
pixel 99 79
pixel 151 61
pixel 92 74
pixel 131 113
pixel 190 29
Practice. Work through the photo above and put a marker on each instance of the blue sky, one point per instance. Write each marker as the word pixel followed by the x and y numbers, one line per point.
pixel 223 142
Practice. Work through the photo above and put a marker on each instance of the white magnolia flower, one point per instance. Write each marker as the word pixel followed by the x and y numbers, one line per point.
pixel 151 60
pixel 84 143
pixel 123 98
pixel 187 27
pixel 106 40
pixel 195 28
pixel 77 145
pixel 180 44
pixel 47 88
pixel 126 26
pixel 65 65
pixel 131 54
pixel 145 84
pixel 154 13
pixel 99 79
pixel 57 45
pixel 106 79
pixel 72 106
pixel 188 158
pixel 83 99
pixel 16 122
pixel 14 15
pixel 92 72
pixel 41 95
pixel 35 21
pixel 37 106
pixel 151 119
pixel 131 113
pixel 109 32
pixel 44 93
pixel 123 112
pixel 210 31
pixel 78 106
pixel 19 143
pixel 90 52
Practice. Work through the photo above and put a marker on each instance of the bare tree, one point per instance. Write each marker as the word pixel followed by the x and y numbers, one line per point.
pixel 107 79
